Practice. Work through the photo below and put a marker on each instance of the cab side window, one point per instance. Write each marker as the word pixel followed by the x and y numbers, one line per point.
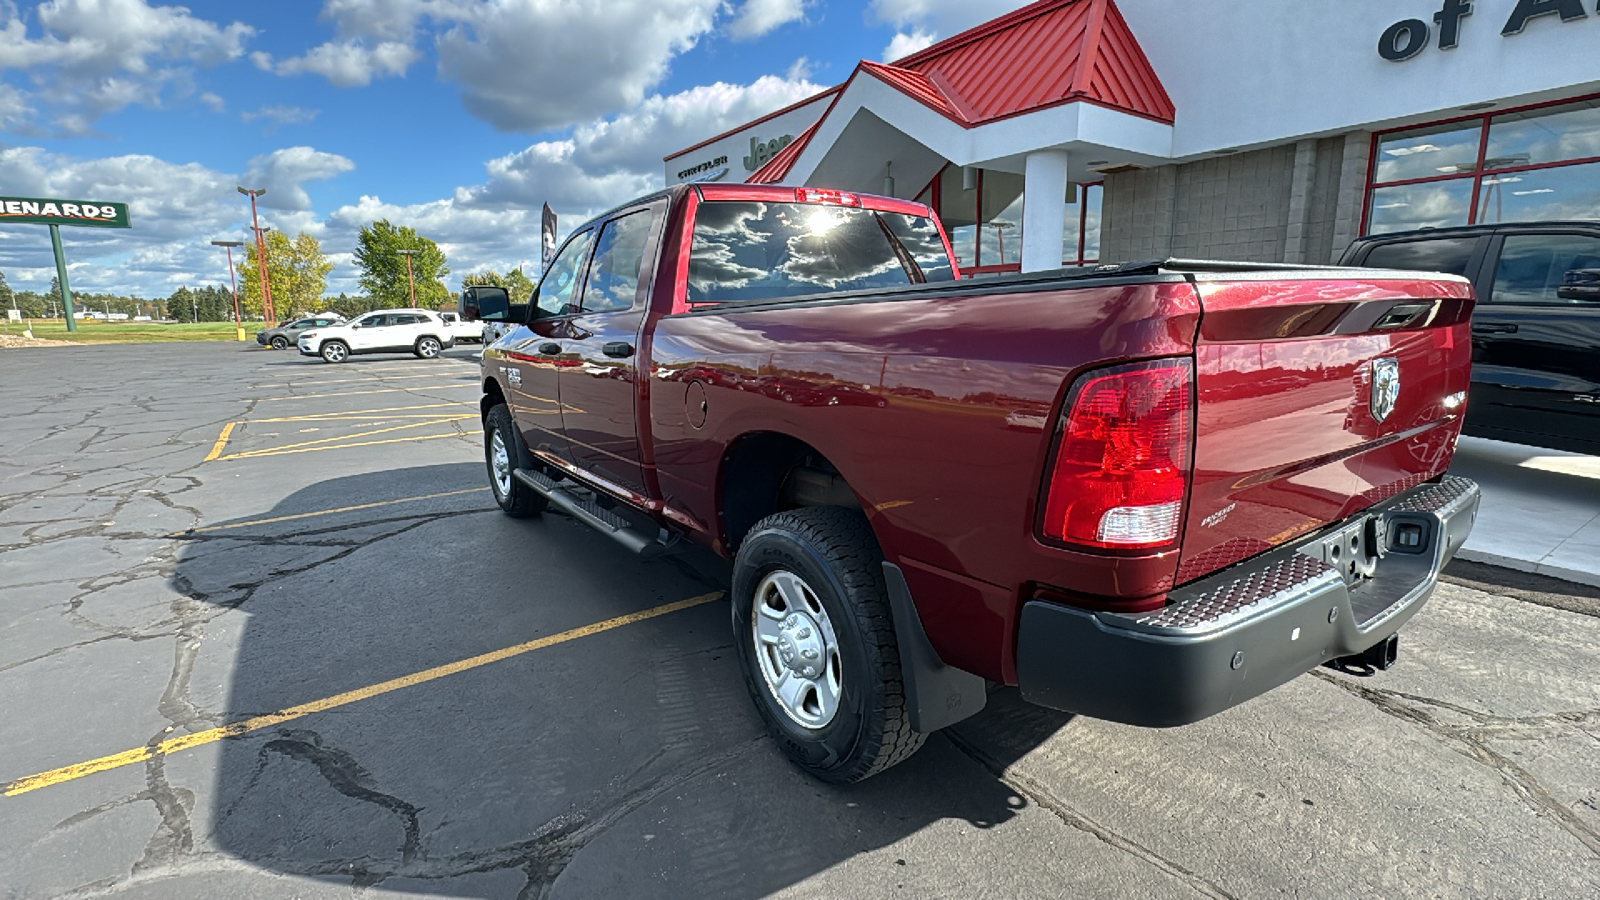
pixel 558 291
pixel 1450 255
pixel 618 258
pixel 1532 266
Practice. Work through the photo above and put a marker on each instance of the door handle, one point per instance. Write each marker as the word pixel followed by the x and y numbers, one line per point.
pixel 1493 328
pixel 549 348
pixel 618 349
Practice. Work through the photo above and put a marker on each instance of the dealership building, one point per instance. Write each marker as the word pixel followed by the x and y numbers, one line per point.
pixel 1074 131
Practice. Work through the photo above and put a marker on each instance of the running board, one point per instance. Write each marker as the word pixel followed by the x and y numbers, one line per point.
pixel 597 517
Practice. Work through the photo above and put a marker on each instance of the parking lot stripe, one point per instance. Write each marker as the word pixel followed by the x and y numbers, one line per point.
pixel 422 387
pixel 326 512
pixel 431 420
pixel 256 723
pixel 222 441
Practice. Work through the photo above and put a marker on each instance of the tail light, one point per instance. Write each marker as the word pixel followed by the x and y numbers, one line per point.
pixel 1122 466
pixel 825 195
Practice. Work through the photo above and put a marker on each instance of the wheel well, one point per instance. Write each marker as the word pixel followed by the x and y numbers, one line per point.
pixel 492 397
pixel 765 473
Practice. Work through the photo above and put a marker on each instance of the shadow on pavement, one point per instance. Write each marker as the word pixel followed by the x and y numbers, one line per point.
pixel 622 764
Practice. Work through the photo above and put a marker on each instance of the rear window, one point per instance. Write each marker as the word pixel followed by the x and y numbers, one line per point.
pixel 1438 255
pixel 746 251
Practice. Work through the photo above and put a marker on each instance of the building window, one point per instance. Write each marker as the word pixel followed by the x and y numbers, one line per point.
pixel 1530 164
pixel 982 213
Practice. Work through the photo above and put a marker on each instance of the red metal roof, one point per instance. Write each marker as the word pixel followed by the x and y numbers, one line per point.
pixel 1042 55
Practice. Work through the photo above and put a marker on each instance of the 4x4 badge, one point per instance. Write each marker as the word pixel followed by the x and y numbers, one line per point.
pixel 1385 387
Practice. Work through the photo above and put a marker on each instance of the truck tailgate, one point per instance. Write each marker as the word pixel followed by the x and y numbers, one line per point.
pixel 1317 397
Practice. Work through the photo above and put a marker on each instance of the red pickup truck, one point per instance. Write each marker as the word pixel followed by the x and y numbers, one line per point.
pixel 1142 492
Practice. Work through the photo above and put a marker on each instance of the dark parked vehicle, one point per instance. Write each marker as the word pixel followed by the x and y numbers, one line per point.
pixel 1145 493
pixel 1535 331
pixel 285 335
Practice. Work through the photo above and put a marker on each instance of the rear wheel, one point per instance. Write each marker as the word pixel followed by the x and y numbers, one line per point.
pixel 817 643
pixel 280 343
pixel 427 347
pixel 334 351
pixel 502 451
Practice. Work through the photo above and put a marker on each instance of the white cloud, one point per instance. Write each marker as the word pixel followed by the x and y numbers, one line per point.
pixel 92 57
pixel 384 19
pixel 533 66
pixel 346 63
pixel 941 17
pixel 284 172
pixel 758 17
pixel 213 102
pixel 905 44
pixel 281 115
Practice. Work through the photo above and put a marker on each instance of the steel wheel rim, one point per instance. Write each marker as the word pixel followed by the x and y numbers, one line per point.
pixel 500 464
pixel 796 649
pixel 334 352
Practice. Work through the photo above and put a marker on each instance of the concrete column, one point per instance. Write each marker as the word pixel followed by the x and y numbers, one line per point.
pixel 1294 237
pixel 1044 186
pixel 1352 191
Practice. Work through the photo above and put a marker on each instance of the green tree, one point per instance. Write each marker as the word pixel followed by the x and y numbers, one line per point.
pixel 383 269
pixel 183 305
pixel 8 299
pixel 350 307
pixel 297 273
pixel 519 286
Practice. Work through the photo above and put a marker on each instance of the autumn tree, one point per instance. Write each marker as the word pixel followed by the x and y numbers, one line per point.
pixel 517 285
pixel 383 268
pixel 297 273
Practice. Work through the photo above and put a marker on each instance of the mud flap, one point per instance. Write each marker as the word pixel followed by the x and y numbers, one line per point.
pixel 937 695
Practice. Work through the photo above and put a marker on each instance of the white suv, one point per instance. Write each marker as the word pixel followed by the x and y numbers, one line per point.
pixel 416 331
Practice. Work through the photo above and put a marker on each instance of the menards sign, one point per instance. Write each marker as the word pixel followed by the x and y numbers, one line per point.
pixel 49 211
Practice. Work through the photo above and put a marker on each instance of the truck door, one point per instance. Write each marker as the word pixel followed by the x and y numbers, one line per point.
pixel 1535 352
pixel 534 355
pixel 599 378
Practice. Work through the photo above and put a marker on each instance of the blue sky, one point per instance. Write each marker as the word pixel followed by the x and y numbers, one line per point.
pixel 456 117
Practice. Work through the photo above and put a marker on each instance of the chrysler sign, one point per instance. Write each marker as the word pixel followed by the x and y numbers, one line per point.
pixel 1408 37
pixel 48 211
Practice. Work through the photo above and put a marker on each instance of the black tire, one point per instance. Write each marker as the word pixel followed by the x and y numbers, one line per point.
pixel 280 343
pixel 834 553
pixel 516 499
pixel 427 348
pixel 334 351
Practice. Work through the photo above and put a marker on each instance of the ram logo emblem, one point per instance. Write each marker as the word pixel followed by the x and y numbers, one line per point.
pixel 1385 387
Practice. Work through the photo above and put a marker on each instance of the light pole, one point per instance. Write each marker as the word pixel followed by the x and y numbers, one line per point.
pixel 261 254
pixel 238 325
pixel 409 280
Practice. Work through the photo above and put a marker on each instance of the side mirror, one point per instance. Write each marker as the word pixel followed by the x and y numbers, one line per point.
pixel 1580 284
pixel 485 303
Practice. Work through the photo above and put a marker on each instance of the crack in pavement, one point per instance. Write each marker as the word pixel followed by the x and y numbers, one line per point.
pixel 1471 741
pixel 1041 795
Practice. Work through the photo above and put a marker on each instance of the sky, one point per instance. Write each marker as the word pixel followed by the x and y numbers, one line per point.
pixel 456 118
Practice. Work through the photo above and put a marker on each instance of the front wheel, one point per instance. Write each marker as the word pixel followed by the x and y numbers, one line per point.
pixel 427 348
pixel 502 451
pixel 280 343
pixel 334 352
pixel 816 642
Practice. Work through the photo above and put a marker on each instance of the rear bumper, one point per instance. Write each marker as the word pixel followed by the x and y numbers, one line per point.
pixel 1241 632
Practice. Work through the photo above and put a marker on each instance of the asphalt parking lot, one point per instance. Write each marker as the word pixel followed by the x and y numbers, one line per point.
pixel 263 633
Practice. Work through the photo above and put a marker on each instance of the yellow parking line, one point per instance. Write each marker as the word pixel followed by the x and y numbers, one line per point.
pixel 366 412
pixel 256 723
pixel 259 454
pixel 325 512
pixel 433 420
pixel 222 441
pixel 426 387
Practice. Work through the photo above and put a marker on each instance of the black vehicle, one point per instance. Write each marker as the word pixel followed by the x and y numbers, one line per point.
pixel 1535 331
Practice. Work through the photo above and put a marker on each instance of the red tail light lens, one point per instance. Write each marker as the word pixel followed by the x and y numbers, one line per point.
pixel 1122 467
pixel 824 195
